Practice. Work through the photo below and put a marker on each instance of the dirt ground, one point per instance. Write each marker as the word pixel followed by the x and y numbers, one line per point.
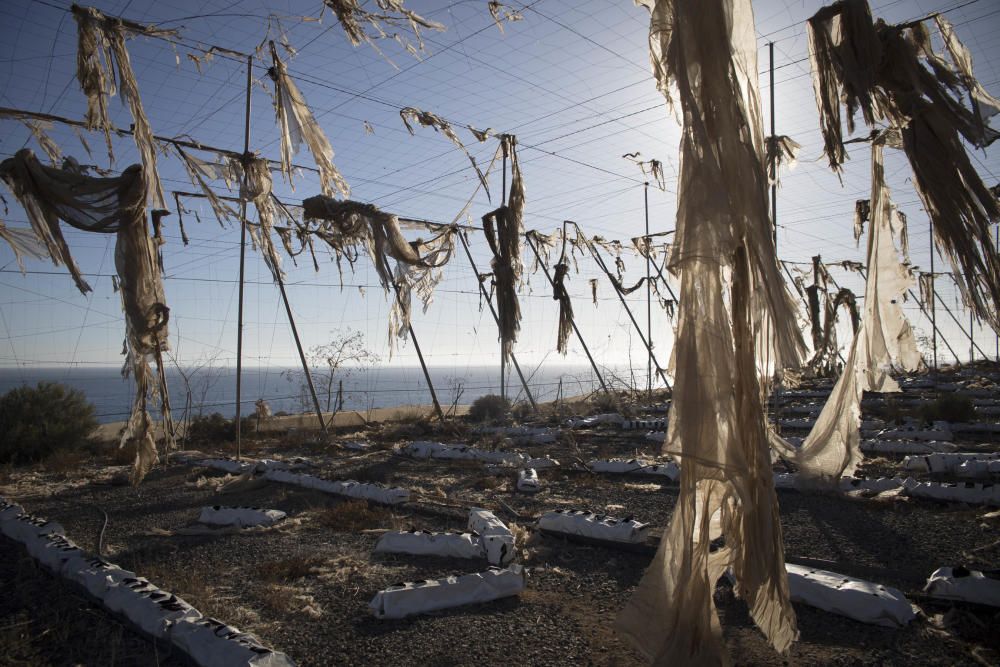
pixel 303 587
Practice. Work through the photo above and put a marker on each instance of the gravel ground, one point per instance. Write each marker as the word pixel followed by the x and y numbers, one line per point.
pixel 303 587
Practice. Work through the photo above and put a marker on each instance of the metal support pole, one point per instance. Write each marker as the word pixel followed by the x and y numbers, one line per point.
pixel 972 356
pixel 295 334
pixel 503 360
pixel 576 330
pixel 496 318
pixel 243 252
pixel 649 305
pixel 774 159
pixel 420 355
pixel 649 348
pixel 934 299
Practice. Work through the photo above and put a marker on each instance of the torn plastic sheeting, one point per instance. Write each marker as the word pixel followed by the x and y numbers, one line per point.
pixel 407 599
pixel 355 446
pixel 879 485
pixel 594 526
pixel 243 517
pixel 361 490
pixel 212 643
pixel 595 420
pixel 906 447
pixel 942 462
pixel 960 583
pixel 55 551
pixel 528 482
pixel 423 449
pixel 150 609
pixel 426 543
pixel 498 542
pixel 656 436
pixel 860 600
pixel 9 511
pixel 967 492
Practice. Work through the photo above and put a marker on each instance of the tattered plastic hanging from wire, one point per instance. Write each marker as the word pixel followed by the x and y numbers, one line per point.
pixel 297 125
pixel 501 14
pixel 412 115
pixel 356 22
pixel 111 206
pixel 100 53
pixel 735 326
pixel 892 73
pixel 343 225
pixel 650 168
pixel 504 228
pixel 781 151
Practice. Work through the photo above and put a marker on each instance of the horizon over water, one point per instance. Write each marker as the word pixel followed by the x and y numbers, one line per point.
pixel 213 389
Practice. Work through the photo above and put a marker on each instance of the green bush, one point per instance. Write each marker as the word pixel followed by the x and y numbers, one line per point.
pixel 949 408
pixel 488 407
pixel 214 428
pixel 37 421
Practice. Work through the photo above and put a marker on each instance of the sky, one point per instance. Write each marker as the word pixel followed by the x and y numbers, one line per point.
pixel 571 80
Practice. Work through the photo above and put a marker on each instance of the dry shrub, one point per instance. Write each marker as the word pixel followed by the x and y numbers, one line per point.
pixel 489 407
pixel 291 568
pixel 65 461
pixel 352 516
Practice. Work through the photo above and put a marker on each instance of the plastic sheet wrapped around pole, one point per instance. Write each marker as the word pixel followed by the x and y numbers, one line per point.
pixel 112 206
pixel 724 247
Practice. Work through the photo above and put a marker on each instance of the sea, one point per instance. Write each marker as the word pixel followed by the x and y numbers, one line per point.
pixel 213 389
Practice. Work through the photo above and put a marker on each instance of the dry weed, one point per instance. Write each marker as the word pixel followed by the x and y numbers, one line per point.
pixel 291 568
pixel 352 516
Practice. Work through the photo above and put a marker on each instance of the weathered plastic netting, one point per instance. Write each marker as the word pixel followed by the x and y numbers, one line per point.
pixel 892 73
pixel 736 323
pixel 343 225
pixel 111 206
pixel 356 22
pixel 101 52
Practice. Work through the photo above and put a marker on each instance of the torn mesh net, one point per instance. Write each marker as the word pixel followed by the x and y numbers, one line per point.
pixel 111 206
pixel 735 324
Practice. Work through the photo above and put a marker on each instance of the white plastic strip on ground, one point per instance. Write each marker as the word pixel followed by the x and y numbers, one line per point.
pixel 594 526
pixel 407 599
pixel 945 462
pixel 211 642
pixel 854 598
pixel 906 446
pixel 962 584
pixel 498 541
pixel 939 431
pixel 527 481
pixel 154 612
pixel 658 424
pixel 541 463
pixel 230 466
pixel 424 543
pixel 595 420
pixel 636 467
pixel 297 463
pixel 965 492
pixel 423 449
pixel 361 490
pixel 243 517
pixel 529 435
